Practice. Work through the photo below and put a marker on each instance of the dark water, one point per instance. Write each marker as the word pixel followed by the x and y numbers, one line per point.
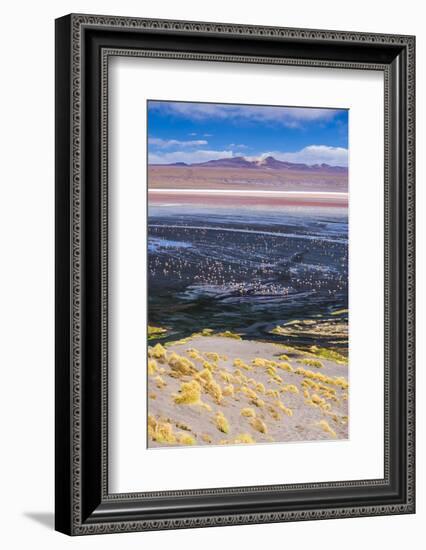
pixel 244 270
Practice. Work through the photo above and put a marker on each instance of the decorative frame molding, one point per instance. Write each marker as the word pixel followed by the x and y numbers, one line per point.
pixel 84 43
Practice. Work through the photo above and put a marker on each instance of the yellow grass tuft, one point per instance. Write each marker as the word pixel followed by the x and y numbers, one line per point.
pixel 206 438
pixel 339 381
pixel 301 370
pixel 229 334
pixel 328 395
pixel 204 376
pixel 285 366
pixel 258 402
pixel 247 412
pixel 260 387
pixel 244 438
pixel 161 432
pixel 242 377
pixel 213 356
pixel 186 439
pixel 273 393
pixel 311 362
pixel 226 376
pixel 334 417
pixel 195 354
pixel 221 422
pixel 152 395
pixel 342 382
pixel 239 363
pixel 249 392
pixel 180 365
pixel 277 379
pixel 285 409
pixel 308 383
pixel 209 366
pixel 284 357
pixel 326 427
pixel 259 425
pixel 273 412
pixel 159 382
pixel 228 391
pixel 318 401
pixel 291 388
pixel 209 385
pixel 266 363
pixel 152 366
pixel 158 352
pixel 213 389
pixel 151 421
pixel 155 330
pixel 189 393
pixel 259 362
pixel 324 388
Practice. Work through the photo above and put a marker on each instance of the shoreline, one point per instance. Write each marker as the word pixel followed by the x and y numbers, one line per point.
pixel 249 191
pixel 242 197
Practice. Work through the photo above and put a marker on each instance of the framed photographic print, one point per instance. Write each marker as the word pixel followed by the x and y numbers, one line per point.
pixel 234 274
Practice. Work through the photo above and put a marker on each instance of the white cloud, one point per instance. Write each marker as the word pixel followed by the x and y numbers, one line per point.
pixel 187 156
pixel 287 116
pixel 313 154
pixel 165 143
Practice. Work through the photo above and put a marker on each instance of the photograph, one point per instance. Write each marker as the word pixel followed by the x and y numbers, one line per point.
pixel 247 273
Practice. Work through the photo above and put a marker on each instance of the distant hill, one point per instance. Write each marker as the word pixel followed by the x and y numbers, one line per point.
pixel 265 163
pixel 234 162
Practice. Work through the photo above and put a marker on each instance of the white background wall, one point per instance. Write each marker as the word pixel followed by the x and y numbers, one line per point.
pixel 27 262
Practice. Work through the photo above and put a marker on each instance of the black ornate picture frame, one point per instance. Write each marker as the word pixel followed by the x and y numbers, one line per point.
pixel 84 43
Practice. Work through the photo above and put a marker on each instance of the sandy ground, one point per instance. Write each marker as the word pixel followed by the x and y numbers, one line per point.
pixel 310 403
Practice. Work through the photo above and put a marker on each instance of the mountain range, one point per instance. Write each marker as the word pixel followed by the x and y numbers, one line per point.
pixel 264 163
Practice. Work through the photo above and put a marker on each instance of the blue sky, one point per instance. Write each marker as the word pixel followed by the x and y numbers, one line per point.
pixel 197 132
